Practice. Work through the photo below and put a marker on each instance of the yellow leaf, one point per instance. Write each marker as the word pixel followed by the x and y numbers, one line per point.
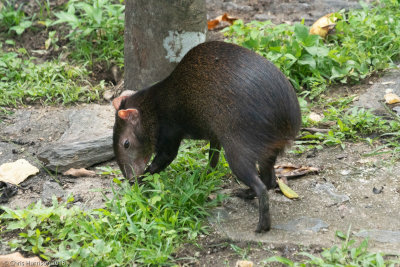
pixel 323 25
pixel 392 98
pixel 286 190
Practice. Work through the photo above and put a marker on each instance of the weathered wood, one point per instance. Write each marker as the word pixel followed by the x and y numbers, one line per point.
pixel 157 35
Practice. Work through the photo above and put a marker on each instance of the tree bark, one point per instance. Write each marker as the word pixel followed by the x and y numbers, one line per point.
pixel 157 35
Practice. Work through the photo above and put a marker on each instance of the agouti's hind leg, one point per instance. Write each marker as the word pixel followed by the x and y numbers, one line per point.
pixel 247 173
pixel 267 170
pixel 247 193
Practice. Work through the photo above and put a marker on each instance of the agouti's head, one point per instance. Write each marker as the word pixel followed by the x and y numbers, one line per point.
pixel 131 147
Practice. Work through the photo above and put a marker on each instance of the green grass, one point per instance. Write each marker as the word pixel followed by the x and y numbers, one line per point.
pixel 349 124
pixel 51 82
pixel 94 34
pixel 140 224
pixel 349 254
pixel 96 30
pixel 365 41
pixel 13 19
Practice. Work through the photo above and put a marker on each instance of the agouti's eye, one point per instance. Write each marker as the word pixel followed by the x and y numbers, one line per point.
pixel 126 144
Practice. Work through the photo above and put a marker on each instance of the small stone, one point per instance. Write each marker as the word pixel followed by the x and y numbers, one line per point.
pixel 303 225
pixel 330 190
pixel 262 17
pixel 377 191
pixel 127 93
pixel 108 95
pixel 341 156
pixel 244 264
pixel 397 110
pixel 384 236
pixel 51 189
pixel 344 172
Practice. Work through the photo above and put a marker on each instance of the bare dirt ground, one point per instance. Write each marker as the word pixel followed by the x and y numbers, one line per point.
pixel 342 195
pixel 351 190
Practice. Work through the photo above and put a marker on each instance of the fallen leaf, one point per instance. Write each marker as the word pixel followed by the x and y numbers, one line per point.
pixel 228 19
pixel 16 172
pixel 290 170
pixel 16 259
pixel 211 24
pixel 391 98
pixel 82 172
pixel 47 44
pixel 286 190
pixel 323 25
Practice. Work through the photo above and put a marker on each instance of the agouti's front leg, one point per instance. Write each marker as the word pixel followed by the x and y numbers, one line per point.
pixel 166 151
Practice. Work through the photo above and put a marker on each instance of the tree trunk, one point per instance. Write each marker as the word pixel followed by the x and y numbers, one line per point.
pixel 157 35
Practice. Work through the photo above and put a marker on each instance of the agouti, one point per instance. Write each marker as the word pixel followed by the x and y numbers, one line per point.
pixel 219 92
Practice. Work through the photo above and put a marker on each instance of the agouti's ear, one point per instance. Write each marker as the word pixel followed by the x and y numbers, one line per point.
pixel 117 101
pixel 130 114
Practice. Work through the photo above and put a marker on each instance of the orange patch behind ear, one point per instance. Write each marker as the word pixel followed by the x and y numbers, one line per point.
pixel 130 113
pixel 117 101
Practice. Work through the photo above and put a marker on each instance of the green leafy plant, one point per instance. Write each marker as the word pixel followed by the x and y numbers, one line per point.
pixel 348 254
pixel 243 253
pixel 24 81
pixel 351 124
pixel 366 40
pixel 140 224
pixel 96 30
pixel 12 19
pixel 44 9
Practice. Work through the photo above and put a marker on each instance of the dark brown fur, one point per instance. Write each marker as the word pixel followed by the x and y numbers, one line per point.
pixel 226 94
